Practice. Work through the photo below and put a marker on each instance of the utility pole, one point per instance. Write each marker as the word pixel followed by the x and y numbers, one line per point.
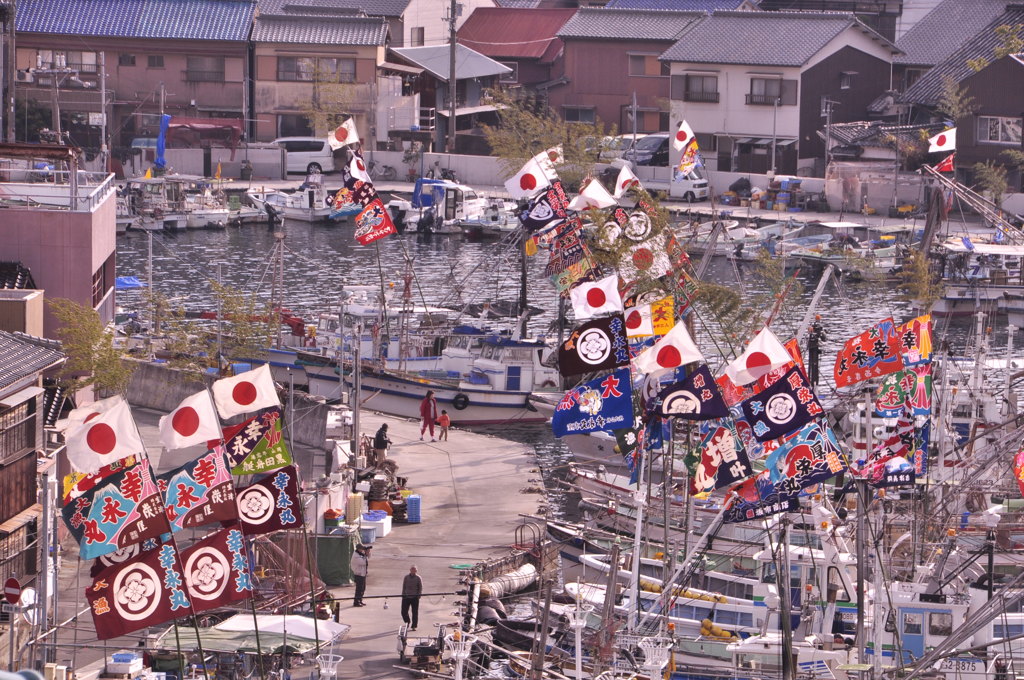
pixel 104 148
pixel 10 75
pixel 775 116
pixel 452 86
pixel 828 104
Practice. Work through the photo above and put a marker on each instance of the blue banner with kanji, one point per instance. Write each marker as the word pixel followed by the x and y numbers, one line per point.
pixel 199 492
pixel 787 405
pixel 605 403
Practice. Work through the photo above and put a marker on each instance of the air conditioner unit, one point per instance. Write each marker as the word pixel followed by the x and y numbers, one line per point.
pixel 26 77
pixel 54 672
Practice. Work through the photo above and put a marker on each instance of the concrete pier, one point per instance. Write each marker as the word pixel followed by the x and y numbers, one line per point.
pixel 473 487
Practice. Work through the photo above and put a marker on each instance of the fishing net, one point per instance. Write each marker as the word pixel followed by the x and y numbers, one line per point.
pixel 282 574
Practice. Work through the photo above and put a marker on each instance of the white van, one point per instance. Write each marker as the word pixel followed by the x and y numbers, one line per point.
pixel 306 154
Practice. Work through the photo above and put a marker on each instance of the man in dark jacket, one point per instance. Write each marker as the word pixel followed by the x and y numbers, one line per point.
pixel 412 589
pixel 381 442
pixel 360 565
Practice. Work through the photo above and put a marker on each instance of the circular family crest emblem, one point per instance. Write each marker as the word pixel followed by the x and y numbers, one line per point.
pixel 137 592
pixel 638 228
pixel 780 409
pixel 119 556
pixel 680 402
pixel 593 346
pixel 208 572
pixel 256 504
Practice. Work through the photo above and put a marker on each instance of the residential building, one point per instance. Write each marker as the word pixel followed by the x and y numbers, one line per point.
pixel 311 66
pixel 938 34
pixel 880 15
pixel 683 5
pixel 612 55
pixel 24 465
pixel 62 229
pixel 995 123
pixel 475 73
pixel 525 40
pixel 751 82
pixel 182 57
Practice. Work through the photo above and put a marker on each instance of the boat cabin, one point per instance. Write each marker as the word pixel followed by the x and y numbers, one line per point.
pixel 509 364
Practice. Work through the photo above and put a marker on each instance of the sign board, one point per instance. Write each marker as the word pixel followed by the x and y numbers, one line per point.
pixel 9 608
pixel 96 119
pixel 12 590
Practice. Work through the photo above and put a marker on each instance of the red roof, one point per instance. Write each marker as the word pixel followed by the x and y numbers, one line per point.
pixel 509 33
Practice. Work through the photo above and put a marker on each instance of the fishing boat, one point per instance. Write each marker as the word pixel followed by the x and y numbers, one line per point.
pixel 979 276
pixel 310 203
pixel 440 206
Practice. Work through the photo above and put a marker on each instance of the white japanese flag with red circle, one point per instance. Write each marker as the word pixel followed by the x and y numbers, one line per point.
pixel 684 135
pixel 764 353
pixel 639 323
pixel 593 195
pixel 357 168
pixel 596 297
pixel 245 393
pixel 548 159
pixel 104 438
pixel 193 422
pixel 344 135
pixel 625 180
pixel 528 181
pixel 676 349
pixel 944 141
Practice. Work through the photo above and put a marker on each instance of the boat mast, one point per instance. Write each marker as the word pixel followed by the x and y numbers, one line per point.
pixel 277 285
pixel 522 282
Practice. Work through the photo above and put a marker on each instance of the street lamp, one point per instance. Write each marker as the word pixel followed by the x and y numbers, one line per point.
pixel 459 644
pixel 578 621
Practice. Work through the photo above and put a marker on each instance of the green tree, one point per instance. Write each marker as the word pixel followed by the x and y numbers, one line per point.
pixel 991 178
pixel 1010 42
pixel 954 102
pixel 919 283
pixel 527 127
pixel 93 360
pixel 330 103
pixel 248 324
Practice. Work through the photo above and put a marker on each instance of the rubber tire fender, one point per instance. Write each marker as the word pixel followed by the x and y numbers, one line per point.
pixel 460 401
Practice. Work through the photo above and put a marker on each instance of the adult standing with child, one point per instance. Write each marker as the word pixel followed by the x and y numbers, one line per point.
pixel 428 414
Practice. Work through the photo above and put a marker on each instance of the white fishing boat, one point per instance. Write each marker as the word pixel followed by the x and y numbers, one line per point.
pixel 310 203
pixel 439 206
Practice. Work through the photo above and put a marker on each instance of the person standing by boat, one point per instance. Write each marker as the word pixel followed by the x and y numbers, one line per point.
pixel 445 421
pixel 381 442
pixel 412 589
pixel 360 565
pixel 428 414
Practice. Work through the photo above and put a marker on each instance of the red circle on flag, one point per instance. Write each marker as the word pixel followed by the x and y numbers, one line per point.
pixel 669 357
pixel 552 156
pixel 596 297
pixel 244 393
pixel 643 258
pixel 185 421
pixel 92 415
pixel 758 360
pixel 633 320
pixel 101 438
pixel 682 136
pixel 360 165
pixel 528 182
pixel 941 140
pixel 341 134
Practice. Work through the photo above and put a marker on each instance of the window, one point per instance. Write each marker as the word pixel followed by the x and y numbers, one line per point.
pixel 17 430
pixel 911 623
pixel 912 76
pixel 846 80
pixel 316 69
pixel 102 281
pixel 293 125
pixel 647 65
pixel 998 130
pixel 83 62
pixel 126 60
pixel 579 114
pixel 940 623
pixel 510 77
pixel 701 89
pixel 205 70
pixel 416 37
pixel 155 61
pixel 764 91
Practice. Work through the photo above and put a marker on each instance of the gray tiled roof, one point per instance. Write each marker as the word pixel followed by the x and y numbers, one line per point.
pixel 628 24
pixel 878 133
pixel 763 38
pixel 682 5
pixel 180 19
pixel 374 8
pixel 22 356
pixel 436 59
pixel 945 29
pixel 519 4
pixel 321 30
pixel 928 88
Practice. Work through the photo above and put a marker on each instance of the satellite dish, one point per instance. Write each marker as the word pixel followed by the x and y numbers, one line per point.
pixel 28 603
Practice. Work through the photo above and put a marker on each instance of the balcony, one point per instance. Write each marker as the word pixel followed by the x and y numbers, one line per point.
pixel 708 97
pixel 191 76
pixel 763 99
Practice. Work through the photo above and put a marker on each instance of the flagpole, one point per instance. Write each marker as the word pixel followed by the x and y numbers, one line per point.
pixel 305 528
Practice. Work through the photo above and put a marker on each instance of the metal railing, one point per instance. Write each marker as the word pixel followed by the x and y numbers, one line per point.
pixel 711 97
pixel 193 76
pixel 762 99
pixel 52 189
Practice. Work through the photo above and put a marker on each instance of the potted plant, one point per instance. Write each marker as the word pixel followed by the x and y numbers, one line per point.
pixel 412 157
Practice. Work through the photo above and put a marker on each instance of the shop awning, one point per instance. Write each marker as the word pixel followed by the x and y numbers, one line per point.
pixel 21 396
pixel 465 111
pixel 21 519
pixel 401 68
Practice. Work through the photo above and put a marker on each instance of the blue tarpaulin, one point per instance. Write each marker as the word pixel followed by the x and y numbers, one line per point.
pixel 161 142
pixel 128 283
pixel 428 192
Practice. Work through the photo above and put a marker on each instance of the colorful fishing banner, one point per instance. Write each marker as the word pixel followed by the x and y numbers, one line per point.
pixel 199 492
pixel 146 591
pixel 720 460
pixel 77 483
pixel 805 458
pixel 605 403
pixel 374 223
pixel 694 398
pixel 911 387
pixel 125 554
pixel 271 503
pixel 872 354
pixel 915 338
pixel 783 407
pixel 124 508
pixel 594 346
pixel 256 445
pixel 757 497
pixel 1018 469
pixel 546 210
pixel 216 570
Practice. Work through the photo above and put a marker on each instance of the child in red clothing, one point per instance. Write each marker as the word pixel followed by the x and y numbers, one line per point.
pixel 444 421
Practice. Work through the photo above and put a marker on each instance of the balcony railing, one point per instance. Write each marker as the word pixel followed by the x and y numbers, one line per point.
pixel 191 76
pixel 762 99
pixel 711 97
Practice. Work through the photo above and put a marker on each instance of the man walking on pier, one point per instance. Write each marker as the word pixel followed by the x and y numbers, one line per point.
pixel 428 414
pixel 360 564
pixel 412 589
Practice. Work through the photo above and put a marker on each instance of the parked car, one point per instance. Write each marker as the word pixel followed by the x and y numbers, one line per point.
pixel 307 154
pixel 621 146
pixel 652 149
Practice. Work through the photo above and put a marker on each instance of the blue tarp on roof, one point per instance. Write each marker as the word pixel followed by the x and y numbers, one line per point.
pixel 128 283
